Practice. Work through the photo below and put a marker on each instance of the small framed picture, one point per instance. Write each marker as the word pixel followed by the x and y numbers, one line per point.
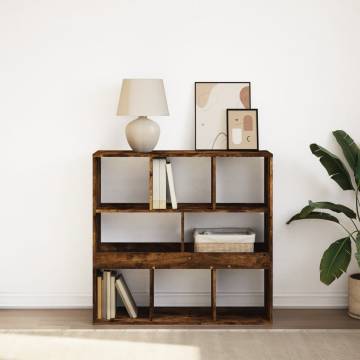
pixel 242 129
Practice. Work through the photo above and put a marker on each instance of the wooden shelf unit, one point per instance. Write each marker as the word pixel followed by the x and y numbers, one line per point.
pixel 181 255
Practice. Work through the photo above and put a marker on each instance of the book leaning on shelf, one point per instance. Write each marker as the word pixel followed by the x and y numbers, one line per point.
pixel 126 296
pixel 162 175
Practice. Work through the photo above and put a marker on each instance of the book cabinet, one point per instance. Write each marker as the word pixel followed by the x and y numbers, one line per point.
pixel 180 255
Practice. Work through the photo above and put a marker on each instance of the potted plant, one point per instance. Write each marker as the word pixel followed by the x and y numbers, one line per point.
pixel 336 258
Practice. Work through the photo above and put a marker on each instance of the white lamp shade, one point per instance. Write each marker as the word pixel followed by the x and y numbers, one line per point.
pixel 142 97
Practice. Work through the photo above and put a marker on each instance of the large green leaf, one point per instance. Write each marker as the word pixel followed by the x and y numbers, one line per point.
pixel 348 146
pixel 335 260
pixel 333 166
pixel 314 215
pixel 357 242
pixel 338 208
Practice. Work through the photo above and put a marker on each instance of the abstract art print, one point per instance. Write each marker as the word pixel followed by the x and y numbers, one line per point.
pixel 242 129
pixel 211 101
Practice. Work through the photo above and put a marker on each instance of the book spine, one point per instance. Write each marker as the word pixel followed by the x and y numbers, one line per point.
pixel 103 282
pixel 99 297
pixel 162 184
pixel 155 183
pixel 108 295
pixel 171 184
pixel 112 297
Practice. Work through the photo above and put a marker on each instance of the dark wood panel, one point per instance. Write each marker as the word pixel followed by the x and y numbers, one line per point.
pixel 241 315
pixel 157 247
pixel 213 183
pixel 182 260
pixel 213 293
pixel 190 316
pixel 183 207
pixel 182 153
pixel 151 292
pixel 146 247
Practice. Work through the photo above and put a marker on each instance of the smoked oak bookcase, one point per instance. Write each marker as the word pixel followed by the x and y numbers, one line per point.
pixel 159 255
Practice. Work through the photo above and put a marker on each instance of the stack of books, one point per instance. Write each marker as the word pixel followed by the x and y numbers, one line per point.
pixel 110 283
pixel 162 174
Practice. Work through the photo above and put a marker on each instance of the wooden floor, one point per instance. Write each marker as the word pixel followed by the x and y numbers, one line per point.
pixel 81 319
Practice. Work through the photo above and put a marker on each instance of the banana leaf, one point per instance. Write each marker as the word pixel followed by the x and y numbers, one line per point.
pixel 314 215
pixel 357 243
pixel 333 166
pixel 348 146
pixel 338 208
pixel 335 260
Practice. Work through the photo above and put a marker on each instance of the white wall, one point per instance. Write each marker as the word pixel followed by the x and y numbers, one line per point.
pixel 61 66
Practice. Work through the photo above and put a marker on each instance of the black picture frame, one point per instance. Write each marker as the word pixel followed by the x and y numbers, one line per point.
pixel 217 82
pixel 257 129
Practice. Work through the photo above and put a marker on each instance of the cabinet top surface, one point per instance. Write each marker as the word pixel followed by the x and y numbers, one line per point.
pixel 183 153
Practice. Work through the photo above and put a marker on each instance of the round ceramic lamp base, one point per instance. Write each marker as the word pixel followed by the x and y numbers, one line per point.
pixel 142 134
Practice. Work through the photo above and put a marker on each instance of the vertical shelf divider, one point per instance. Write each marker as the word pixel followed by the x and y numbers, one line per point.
pixel 151 298
pixel 96 224
pixel 213 293
pixel 213 182
pixel 150 185
pixel 182 230
pixel 268 226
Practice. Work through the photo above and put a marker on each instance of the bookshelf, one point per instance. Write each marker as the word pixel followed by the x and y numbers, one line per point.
pixel 180 255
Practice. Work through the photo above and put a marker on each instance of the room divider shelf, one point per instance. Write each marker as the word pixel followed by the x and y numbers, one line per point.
pixel 154 255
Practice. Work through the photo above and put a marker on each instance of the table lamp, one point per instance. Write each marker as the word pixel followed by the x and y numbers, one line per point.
pixel 142 98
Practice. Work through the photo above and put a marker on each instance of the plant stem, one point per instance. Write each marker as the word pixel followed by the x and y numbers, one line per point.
pixel 354 223
pixel 357 202
pixel 350 234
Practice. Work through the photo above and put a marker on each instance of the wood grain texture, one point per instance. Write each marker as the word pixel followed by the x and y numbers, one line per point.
pixel 96 223
pixel 191 316
pixel 182 230
pixel 268 227
pixel 213 183
pixel 181 260
pixel 213 294
pixel 150 185
pixel 151 293
pixel 183 153
pixel 182 207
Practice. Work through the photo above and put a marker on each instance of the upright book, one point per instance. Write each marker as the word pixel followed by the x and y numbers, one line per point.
pixel 162 183
pixel 156 184
pixel 99 296
pixel 112 296
pixel 126 296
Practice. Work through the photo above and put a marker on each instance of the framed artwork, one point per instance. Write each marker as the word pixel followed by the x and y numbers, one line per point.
pixel 211 101
pixel 242 129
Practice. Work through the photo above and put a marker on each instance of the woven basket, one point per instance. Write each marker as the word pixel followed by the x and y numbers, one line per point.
pixel 223 247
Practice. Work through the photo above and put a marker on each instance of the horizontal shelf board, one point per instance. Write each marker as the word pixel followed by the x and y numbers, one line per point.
pixel 181 260
pixel 183 153
pixel 190 316
pixel 182 207
pixel 156 247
